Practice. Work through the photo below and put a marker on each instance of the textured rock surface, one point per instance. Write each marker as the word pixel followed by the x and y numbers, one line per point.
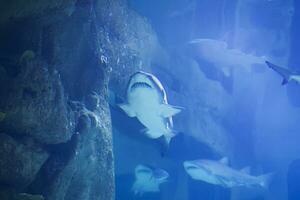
pixel 20 161
pixel 87 162
pixel 12 195
pixel 24 196
pixel 54 90
pixel 135 38
pixel 35 105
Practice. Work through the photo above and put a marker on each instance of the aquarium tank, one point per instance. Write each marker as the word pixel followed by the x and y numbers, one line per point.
pixel 149 100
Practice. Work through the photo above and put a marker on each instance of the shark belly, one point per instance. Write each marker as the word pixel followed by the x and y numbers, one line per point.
pixel 154 124
pixel 146 103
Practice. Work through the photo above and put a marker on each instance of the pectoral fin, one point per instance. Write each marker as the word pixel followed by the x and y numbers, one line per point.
pixel 127 109
pixel 167 110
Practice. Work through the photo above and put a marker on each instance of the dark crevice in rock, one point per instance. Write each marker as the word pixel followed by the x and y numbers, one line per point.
pixel 29 93
pixel 14 172
pixel 60 155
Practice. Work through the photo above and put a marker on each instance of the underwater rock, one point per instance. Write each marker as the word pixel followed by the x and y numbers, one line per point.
pixel 26 56
pixel 20 161
pixel 12 195
pixel 135 39
pixel 89 171
pixel 92 102
pixel 18 9
pixel 24 196
pixel 2 116
pixel 36 106
pixel 58 74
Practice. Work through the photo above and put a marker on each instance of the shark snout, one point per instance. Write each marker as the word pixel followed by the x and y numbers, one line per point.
pixel 140 80
pixel 161 174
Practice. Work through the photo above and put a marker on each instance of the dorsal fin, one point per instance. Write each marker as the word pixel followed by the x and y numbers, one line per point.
pixel 245 170
pixel 224 161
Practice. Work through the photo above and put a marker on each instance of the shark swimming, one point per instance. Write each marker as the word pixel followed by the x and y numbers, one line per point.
pixel 147 100
pixel 218 53
pixel 219 173
pixel 286 74
pixel 217 61
pixel 148 179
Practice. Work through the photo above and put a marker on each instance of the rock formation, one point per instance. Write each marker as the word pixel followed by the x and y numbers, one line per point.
pixel 57 58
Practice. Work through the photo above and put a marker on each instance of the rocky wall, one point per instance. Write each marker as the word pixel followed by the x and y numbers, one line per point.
pixel 57 58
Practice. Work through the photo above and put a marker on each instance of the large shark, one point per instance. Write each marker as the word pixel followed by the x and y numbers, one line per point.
pixel 147 100
pixel 286 74
pixel 219 173
pixel 148 179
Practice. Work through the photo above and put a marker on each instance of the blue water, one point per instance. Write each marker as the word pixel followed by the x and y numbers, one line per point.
pixel 249 116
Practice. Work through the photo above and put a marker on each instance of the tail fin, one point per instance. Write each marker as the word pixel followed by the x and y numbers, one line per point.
pixel 285 73
pixel 169 136
pixel 165 143
pixel 265 180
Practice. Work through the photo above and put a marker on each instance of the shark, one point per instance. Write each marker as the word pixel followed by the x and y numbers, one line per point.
pixel 218 62
pixel 221 56
pixel 219 173
pixel 148 179
pixel 286 74
pixel 147 101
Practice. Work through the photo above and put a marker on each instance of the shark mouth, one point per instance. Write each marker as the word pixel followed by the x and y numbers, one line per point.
pixel 140 85
pixel 145 171
pixel 191 168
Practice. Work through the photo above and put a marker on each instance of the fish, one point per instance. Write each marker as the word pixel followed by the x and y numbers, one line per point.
pixel 222 57
pixel 147 101
pixel 148 179
pixel 286 74
pixel 219 173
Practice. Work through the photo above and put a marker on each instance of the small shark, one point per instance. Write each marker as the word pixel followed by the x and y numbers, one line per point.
pixel 286 74
pixel 219 173
pixel 218 53
pixel 148 179
pixel 147 100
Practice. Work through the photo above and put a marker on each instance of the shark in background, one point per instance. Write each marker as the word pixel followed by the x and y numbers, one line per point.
pixel 147 100
pixel 218 62
pixel 148 179
pixel 286 74
pixel 218 53
pixel 219 173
